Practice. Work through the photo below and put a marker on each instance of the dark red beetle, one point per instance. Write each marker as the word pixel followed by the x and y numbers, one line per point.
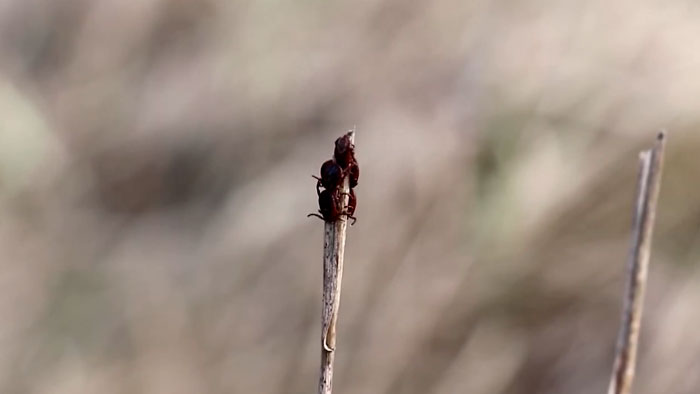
pixel 329 203
pixel 331 175
pixel 344 152
pixel 327 206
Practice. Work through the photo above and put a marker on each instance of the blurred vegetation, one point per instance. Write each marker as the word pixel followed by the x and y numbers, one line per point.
pixel 154 185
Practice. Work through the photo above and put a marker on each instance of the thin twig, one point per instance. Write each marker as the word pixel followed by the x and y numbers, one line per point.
pixel 333 252
pixel 651 163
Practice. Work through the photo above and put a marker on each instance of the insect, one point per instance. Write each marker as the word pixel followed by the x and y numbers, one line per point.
pixel 329 204
pixel 331 176
pixel 344 152
pixel 333 173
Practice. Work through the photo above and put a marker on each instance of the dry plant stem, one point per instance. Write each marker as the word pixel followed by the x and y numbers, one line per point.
pixel 333 252
pixel 651 162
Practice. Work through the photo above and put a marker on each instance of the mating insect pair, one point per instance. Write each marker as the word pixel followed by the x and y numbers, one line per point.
pixel 333 173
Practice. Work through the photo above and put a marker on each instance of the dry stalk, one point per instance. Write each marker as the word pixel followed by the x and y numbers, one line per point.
pixel 651 163
pixel 333 252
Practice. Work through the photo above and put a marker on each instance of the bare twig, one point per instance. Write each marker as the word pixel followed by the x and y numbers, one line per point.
pixel 333 252
pixel 651 162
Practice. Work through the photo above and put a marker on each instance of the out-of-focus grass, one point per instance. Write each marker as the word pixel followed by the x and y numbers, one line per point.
pixel 154 181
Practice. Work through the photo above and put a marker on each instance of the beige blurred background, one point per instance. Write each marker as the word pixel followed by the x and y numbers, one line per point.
pixel 155 162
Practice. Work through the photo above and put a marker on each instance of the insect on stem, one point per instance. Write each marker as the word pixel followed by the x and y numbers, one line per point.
pixel 333 253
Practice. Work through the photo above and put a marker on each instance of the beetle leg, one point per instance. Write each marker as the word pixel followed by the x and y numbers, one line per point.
pixel 317 215
pixel 349 216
